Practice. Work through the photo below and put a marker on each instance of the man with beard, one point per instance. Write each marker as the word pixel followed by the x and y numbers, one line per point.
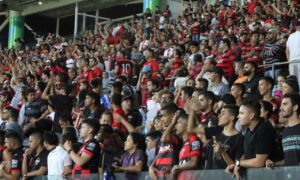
pixel 13 144
pixel 272 53
pixel 290 109
pixel 251 84
pixel 206 101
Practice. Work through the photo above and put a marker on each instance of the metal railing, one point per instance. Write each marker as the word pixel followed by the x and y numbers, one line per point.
pixel 280 173
pixel 279 64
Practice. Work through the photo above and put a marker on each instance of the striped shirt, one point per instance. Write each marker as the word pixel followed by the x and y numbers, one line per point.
pixel 272 53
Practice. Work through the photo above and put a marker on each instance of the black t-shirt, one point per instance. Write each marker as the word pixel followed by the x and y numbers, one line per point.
pixel 38 161
pixel 232 144
pixel 17 159
pixel 135 118
pixel 87 114
pixel 260 140
pixel 63 104
pixel 291 145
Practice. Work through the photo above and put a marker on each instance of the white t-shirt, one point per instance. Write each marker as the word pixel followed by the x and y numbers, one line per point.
pixel 293 43
pixel 57 160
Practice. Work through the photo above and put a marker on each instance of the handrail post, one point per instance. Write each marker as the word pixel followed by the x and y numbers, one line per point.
pixel 273 71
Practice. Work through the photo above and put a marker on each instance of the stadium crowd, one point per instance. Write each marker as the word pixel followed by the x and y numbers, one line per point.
pixel 156 94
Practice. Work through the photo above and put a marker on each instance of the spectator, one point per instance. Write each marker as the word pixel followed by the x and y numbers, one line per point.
pixel 92 109
pixel 151 141
pixel 87 160
pixel 12 124
pixel 168 147
pixel 58 160
pixel 217 86
pixel 190 153
pixel 289 109
pixel 13 143
pixel 35 157
pixel 292 50
pixel 238 91
pixel 133 160
pixel 265 86
pixel 272 53
pixel 259 139
pixel 251 85
pixel 226 143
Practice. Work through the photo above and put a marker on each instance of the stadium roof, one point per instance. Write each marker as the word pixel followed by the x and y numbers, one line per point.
pixel 61 8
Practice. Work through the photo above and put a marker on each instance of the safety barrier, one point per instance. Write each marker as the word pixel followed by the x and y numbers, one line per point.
pixel 280 173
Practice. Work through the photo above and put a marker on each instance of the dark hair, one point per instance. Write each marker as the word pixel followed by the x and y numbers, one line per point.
pixel 155 82
pixel 227 42
pixel 47 72
pixel 188 90
pixel 293 83
pixel 228 99
pixel 68 136
pixel 150 51
pixel 118 86
pixel 269 80
pixel 29 91
pixel 209 96
pixel 66 117
pixel 241 87
pixel 295 100
pixel 96 83
pixel 116 99
pixel 2 137
pixel 253 106
pixel 232 110
pixel 13 113
pixel 205 81
pixel 14 136
pixel 37 133
pixel 51 138
pixel 170 108
pixel 268 107
pixel 41 85
pixel 138 140
pixel 92 123
pixel 154 134
pixel 253 64
pixel 198 58
pixel 94 96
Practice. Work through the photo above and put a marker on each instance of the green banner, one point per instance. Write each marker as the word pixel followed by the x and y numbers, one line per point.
pixel 16 29
pixel 153 3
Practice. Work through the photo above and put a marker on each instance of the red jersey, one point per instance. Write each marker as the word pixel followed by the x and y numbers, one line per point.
pixel 118 125
pixel 87 75
pixel 191 148
pixel 225 62
pixel 92 148
pixel 153 64
pixel 97 72
pixel 125 67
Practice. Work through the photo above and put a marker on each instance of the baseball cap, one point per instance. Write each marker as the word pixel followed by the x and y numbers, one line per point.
pixel 146 69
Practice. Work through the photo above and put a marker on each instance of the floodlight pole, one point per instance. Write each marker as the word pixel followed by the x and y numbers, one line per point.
pixel 57 27
pixel 76 20
pixel 96 21
pixel 83 22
